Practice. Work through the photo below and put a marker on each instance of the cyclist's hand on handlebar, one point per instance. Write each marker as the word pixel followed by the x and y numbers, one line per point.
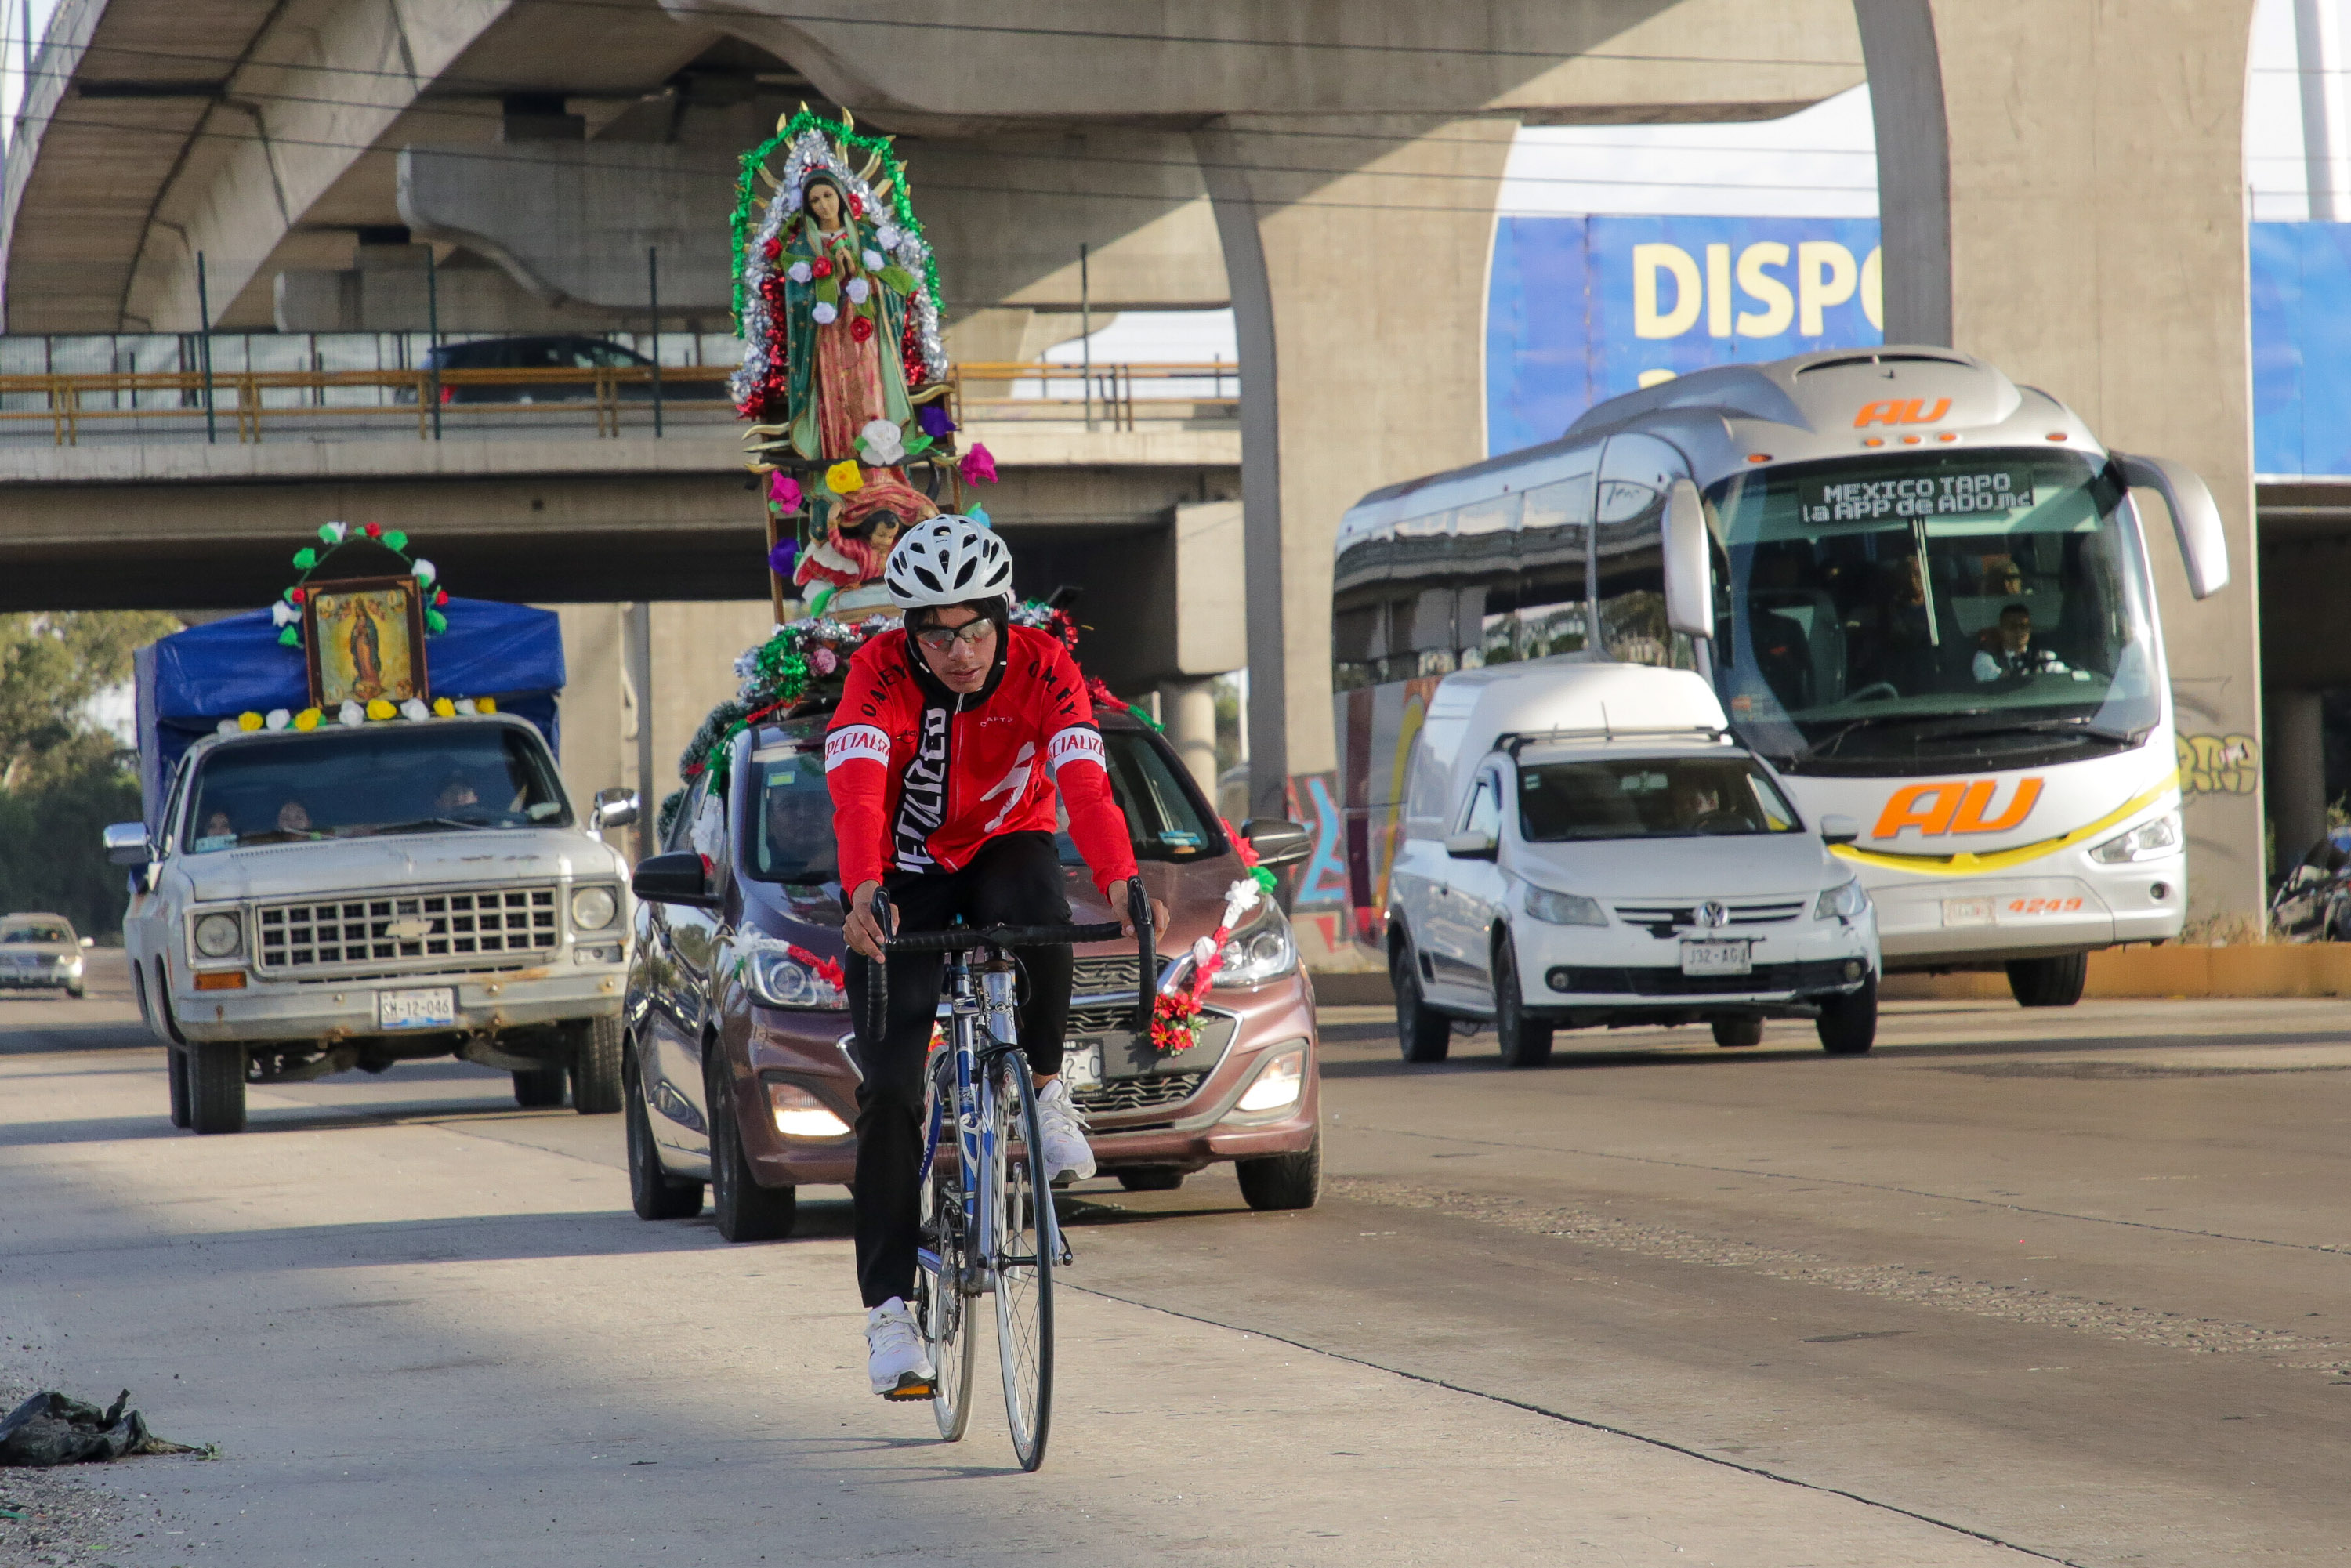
pixel 1126 922
pixel 864 933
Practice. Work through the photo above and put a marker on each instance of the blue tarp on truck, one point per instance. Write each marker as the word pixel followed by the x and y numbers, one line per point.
pixel 191 680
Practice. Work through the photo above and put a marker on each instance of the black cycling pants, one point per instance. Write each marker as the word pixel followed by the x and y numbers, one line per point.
pixel 1014 880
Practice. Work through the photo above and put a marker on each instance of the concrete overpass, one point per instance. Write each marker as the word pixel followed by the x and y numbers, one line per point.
pixel 1327 168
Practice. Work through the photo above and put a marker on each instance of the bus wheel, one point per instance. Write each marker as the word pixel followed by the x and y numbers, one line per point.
pixel 2048 982
pixel 1423 1034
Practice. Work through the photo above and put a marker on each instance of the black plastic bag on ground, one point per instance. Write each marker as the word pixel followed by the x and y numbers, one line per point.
pixel 51 1428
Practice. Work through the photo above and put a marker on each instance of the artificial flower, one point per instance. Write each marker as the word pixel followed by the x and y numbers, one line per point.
pixel 856 205
pixel 882 443
pixel 467 705
pixel 888 235
pixel 443 708
pixel 979 466
pixel 226 726
pixel 423 571
pixel 843 478
pixel 979 515
pixel 774 248
pixel 333 532
pixel 375 530
pixel 299 595
pixel 785 492
pixel 381 708
pixel 822 313
pixel 933 418
pixel 351 713
pixel 860 329
pixel 872 260
pixel 780 560
pixel 307 719
pixel 823 268
pixel 485 705
pixel 414 709
pixel 439 596
pixel 249 720
pixel 799 272
pixel 857 289
pixel 283 614
pixel 277 718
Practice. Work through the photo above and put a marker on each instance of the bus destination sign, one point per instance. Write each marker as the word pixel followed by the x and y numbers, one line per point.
pixel 1972 493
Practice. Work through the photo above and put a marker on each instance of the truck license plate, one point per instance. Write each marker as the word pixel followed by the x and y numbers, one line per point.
pixel 1715 958
pixel 435 1008
pixel 1081 1063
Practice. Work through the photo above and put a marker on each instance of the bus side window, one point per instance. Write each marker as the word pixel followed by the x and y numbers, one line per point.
pixel 1551 609
pixel 1635 472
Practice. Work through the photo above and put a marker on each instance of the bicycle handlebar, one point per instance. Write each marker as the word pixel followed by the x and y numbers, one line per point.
pixel 957 938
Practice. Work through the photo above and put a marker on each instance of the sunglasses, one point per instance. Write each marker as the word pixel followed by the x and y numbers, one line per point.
pixel 971 634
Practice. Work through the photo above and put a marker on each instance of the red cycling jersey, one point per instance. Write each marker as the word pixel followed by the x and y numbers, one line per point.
pixel 921 776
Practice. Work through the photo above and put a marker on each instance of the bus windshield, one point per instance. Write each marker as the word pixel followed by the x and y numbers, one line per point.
pixel 1892 612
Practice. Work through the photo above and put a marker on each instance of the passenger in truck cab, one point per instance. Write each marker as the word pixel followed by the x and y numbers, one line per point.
pixel 293 817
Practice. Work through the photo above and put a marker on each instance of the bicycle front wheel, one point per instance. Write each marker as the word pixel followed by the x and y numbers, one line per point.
pixel 1025 1243
pixel 941 1303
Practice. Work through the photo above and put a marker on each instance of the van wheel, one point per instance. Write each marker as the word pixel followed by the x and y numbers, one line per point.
pixel 176 1069
pixel 539 1089
pixel 2048 982
pixel 654 1193
pixel 745 1210
pixel 1848 1024
pixel 1739 1031
pixel 217 1087
pixel 1275 1182
pixel 1526 1042
pixel 1423 1034
pixel 595 1065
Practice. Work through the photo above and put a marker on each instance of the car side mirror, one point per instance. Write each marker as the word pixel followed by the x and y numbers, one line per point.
pixel 1836 828
pixel 1689 567
pixel 677 877
pixel 126 844
pixel 1278 842
pixel 614 807
pixel 2195 519
pixel 1470 846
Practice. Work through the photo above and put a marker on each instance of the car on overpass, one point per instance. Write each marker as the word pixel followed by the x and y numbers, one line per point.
pixel 738 1064
pixel 570 353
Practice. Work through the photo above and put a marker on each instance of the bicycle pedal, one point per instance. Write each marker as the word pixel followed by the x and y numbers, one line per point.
pixel 911 1385
pixel 1063 1256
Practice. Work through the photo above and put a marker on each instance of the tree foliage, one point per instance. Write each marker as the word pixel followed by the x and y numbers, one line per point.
pixel 62 776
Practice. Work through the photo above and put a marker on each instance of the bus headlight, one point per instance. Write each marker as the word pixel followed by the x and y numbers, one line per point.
pixel 1841 903
pixel 1255 957
pixel 592 908
pixel 1278 1083
pixel 2147 841
pixel 1564 908
pixel 219 936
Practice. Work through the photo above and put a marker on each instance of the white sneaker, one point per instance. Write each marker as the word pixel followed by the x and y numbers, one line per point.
pixel 894 1357
pixel 1066 1149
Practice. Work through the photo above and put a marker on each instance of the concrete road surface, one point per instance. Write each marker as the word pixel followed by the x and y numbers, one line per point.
pixel 2066 1285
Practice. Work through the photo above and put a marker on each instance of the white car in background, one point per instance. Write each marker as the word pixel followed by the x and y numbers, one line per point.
pixel 1583 844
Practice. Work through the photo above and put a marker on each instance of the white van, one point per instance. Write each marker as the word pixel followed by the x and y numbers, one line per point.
pixel 1583 844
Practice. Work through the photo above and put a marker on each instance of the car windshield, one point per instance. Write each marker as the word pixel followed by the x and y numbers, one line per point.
pixel 1942 608
pixel 385 779
pixel 43 931
pixel 791 829
pixel 1160 817
pixel 1649 797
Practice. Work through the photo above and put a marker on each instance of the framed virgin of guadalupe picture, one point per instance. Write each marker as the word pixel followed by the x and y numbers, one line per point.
pixel 364 638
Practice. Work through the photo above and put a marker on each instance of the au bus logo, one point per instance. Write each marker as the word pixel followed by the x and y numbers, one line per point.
pixel 1901 411
pixel 1956 807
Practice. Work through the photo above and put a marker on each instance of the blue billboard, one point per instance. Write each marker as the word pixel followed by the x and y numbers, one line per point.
pixel 1581 308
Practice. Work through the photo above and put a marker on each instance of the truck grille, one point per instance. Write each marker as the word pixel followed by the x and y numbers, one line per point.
pixel 1139 1093
pixel 492 923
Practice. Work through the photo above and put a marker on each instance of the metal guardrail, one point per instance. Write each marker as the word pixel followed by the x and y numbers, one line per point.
pixel 1117 397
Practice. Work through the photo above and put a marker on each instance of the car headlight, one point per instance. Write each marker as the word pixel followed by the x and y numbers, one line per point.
pixel 2149 841
pixel 1278 1083
pixel 782 981
pixel 1841 902
pixel 219 936
pixel 800 1114
pixel 1564 908
pixel 592 908
pixel 1253 957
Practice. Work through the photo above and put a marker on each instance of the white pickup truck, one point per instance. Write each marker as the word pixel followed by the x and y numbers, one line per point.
pixel 352 896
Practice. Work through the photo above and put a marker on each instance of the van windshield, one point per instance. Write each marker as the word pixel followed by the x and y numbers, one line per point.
pixel 434 776
pixel 1649 797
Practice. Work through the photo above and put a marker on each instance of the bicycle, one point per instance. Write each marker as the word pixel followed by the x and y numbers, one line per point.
pixel 987 1220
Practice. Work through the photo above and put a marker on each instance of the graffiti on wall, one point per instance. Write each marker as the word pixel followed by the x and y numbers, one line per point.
pixel 2218 763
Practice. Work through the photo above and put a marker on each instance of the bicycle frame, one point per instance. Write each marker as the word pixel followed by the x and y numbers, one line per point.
pixel 988 1008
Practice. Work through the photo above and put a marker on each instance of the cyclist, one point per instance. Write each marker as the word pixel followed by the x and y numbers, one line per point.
pixel 951 741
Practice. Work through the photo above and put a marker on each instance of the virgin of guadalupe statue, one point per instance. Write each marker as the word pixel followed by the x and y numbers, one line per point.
pixel 846 319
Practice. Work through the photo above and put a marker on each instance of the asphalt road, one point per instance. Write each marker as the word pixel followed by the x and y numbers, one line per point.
pixel 2067 1284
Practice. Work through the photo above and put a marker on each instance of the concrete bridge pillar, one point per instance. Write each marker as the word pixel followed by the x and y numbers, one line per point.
pixel 2063 190
pixel 1357 263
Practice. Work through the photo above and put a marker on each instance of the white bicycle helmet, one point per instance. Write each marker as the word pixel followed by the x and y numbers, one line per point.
pixel 948 559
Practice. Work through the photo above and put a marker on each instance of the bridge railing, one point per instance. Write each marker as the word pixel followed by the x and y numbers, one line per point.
pixel 249 404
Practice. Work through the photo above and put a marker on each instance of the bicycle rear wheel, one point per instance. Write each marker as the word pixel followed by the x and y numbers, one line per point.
pixel 942 1309
pixel 1024 1241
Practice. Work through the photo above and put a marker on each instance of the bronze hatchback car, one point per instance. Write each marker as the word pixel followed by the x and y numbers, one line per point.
pixel 740 1064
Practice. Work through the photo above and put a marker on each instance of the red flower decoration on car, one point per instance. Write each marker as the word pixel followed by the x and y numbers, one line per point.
pixel 859 328
pixel 375 530
pixel 822 267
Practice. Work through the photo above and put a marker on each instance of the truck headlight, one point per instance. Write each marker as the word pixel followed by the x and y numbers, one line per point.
pixel 2149 841
pixel 800 1114
pixel 1255 957
pixel 1564 908
pixel 782 981
pixel 592 908
pixel 1278 1083
pixel 219 936
pixel 1843 900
